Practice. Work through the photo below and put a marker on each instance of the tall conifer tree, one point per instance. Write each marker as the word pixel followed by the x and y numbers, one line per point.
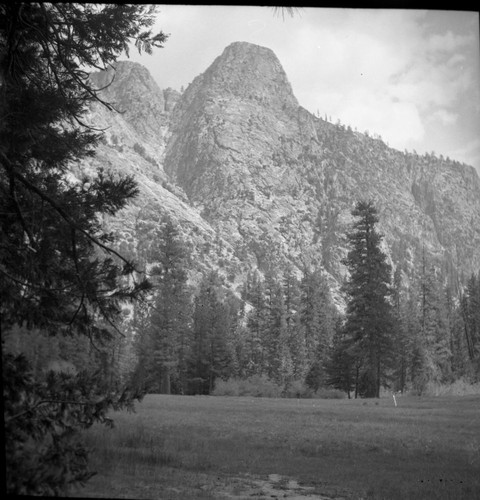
pixel 339 367
pixel 209 354
pixel 369 311
pixel 318 317
pixel 257 323
pixel 167 335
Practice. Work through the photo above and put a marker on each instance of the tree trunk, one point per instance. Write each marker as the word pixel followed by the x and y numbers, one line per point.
pixel 165 385
pixel 356 382
pixel 377 391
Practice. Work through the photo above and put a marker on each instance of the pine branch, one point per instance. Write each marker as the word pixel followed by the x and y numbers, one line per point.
pixel 46 401
pixel 65 216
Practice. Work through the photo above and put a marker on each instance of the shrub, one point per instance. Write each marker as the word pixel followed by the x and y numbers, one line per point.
pixel 230 387
pixel 259 386
pixel 458 388
pixel 138 148
pixel 297 389
pixel 325 393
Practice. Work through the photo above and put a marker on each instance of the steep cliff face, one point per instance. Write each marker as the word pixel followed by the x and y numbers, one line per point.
pixel 281 183
pixel 134 143
pixel 257 180
pixel 143 105
pixel 232 113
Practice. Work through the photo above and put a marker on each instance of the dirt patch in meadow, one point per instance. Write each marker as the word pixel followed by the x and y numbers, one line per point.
pixel 275 486
pixel 207 486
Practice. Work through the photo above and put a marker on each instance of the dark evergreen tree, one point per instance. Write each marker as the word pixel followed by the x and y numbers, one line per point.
pixel 318 317
pixel 369 311
pixel 235 335
pixel 473 313
pixel 58 272
pixel 401 333
pixel 140 325
pixel 166 338
pixel 408 345
pixel 278 360
pixel 459 355
pixel 294 331
pixel 340 367
pixel 257 322
pixel 209 354
pixel 435 331
pixel 470 311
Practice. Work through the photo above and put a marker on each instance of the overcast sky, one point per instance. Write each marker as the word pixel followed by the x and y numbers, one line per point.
pixel 411 76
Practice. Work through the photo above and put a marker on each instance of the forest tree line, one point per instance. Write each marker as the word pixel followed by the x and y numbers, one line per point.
pixel 284 325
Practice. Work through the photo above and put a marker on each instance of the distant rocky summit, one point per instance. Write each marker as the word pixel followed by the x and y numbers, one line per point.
pixel 255 181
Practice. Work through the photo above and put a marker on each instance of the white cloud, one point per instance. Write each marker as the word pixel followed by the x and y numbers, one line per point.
pixel 397 122
pixel 383 71
pixel 447 42
pixel 469 153
pixel 404 74
pixel 444 116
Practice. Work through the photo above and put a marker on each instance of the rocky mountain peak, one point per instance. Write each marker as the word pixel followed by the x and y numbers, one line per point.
pixel 235 156
pixel 126 83
pixel 132 90
pixel 245 72
pixel 251 72
pixel 241 105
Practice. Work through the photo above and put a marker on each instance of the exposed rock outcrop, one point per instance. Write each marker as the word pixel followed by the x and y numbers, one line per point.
pixel 244 168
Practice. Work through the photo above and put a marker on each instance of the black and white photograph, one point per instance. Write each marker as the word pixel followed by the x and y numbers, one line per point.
pixel 240 251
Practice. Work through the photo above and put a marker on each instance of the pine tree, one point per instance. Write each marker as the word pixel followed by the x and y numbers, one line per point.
pixel 140 325
pixel 235 335
pixel 369 311
pixel 58 272
pixel 402 332
pixel 435 331
pixel 209 354
pixel 408 348
pixel 470 312
pixel 473 313
pixel 318 316
pixel 257 322
pixel 278 359
pixel 294 331
pixel 166 337
pixel 459 353
pixel 340 367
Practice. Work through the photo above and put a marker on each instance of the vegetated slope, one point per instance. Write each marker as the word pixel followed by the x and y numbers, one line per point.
pixel 255 180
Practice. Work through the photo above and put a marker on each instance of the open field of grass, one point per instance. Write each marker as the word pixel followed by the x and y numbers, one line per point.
pixel 182 447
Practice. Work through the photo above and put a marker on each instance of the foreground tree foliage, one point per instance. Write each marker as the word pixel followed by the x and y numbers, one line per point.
pixel 58 271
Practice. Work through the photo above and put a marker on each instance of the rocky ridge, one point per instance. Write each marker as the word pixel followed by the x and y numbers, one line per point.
pixel 256 181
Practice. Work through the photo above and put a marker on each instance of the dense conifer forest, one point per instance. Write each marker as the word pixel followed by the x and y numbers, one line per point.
pixel 395 334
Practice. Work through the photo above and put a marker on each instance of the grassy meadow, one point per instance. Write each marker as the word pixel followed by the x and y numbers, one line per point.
pixel 182 447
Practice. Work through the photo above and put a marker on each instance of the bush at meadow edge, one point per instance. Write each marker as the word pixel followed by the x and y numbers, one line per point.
pixel 458 388
pixel 262 387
